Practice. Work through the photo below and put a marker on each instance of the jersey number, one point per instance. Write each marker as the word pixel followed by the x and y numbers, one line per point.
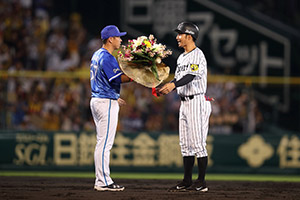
pixel 93 72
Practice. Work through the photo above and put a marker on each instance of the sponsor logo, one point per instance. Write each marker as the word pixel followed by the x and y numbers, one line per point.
pixel 202 189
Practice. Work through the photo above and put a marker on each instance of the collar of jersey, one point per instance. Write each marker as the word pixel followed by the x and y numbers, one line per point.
pixel 104 49
pixel 184 54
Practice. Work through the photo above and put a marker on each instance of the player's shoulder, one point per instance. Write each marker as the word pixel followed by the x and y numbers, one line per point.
pixel 96 54
pixel 198 51
pixel 102 54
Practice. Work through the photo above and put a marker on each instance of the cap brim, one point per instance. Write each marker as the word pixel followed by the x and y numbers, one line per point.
pixel 122 34
pixel 115 35
pixel 178 31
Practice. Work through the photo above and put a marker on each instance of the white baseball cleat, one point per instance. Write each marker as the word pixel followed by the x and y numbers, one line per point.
pixel 111 187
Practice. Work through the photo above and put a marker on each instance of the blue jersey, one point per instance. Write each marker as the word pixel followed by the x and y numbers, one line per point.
pixel 105 75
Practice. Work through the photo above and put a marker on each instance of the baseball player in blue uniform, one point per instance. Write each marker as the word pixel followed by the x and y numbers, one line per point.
pixel 106 77
pixel 191 82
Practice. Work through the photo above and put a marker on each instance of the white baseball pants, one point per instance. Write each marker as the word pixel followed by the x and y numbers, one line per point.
pixel 193 126
pixel 105 113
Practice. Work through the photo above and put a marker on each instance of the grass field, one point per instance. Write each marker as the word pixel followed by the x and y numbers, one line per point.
pixel 212 177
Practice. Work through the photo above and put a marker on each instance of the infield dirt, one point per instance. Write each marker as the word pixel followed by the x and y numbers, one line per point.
pixel 82 189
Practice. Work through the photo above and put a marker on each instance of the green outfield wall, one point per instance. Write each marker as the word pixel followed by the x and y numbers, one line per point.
pixel 149 152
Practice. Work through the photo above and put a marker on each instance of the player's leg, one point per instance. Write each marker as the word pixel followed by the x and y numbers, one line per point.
pixel 200 184
pixel 188 156
pixel 100 111
pixel 183 131
pixel 103 114
pixel 188 160
pixel 112 121
pixel 198 129
pixel 201 111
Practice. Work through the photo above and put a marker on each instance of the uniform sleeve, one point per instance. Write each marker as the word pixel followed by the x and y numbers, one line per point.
pixel 111 69
pixel 197 64
pixel 184 80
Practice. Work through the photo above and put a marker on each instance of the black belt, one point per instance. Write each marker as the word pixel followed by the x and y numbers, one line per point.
pixel 186 98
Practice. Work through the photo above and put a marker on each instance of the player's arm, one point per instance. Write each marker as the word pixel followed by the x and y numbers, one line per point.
pixel 169 87
pixel 184 80
pixel 122 79
pixel 125 78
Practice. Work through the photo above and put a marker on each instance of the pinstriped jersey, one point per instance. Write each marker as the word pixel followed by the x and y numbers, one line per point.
pixel 194 63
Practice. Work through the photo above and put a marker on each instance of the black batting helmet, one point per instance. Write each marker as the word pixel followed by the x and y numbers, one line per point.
pixel 188 28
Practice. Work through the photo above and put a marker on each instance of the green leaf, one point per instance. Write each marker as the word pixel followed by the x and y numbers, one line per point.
pixel 154 71
pixel 140 61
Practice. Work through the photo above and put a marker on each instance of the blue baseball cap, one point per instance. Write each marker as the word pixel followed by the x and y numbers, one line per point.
pixel 111 31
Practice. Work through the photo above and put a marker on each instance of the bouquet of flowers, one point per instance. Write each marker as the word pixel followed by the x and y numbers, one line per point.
pixel 144 53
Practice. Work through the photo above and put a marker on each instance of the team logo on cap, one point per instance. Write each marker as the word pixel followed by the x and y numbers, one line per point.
pixel 194 67
pixel 189 32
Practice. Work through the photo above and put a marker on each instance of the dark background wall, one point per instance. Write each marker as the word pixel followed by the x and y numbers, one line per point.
pixel 95 14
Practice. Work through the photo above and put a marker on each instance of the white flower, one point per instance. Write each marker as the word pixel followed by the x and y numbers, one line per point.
pixel 151 54
pixel 158 60
pixel 141 39
pixel 151 37
pixel 157 48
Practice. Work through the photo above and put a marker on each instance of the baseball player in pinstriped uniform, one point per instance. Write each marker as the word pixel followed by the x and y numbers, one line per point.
pixel 106 77
pixel 191 82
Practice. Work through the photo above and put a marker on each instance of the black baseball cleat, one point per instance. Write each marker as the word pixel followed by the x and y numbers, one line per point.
pixel 181 186
pixel 198 186
pixel 111 187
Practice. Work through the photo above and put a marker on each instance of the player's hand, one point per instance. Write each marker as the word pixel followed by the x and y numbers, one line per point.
pixel 121 102
pixel 125 79
pixel 167 88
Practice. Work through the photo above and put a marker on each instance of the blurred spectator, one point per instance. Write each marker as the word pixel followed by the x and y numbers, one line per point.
pixel 51 121
pixel 32 39
pixel 61 105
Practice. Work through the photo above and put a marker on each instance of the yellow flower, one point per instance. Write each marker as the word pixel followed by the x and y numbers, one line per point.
pixel 147 43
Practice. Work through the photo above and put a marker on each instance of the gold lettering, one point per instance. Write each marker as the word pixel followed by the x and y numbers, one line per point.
pixel 144 150
pixel 86 149
pixel 289 152
pixel 32 154
pixel 42 157
pixel 19 150
pixel 169 151
pixel 65 149
pixel 119 151
pixel 28 152
pixel 209 148
pixel 27 138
